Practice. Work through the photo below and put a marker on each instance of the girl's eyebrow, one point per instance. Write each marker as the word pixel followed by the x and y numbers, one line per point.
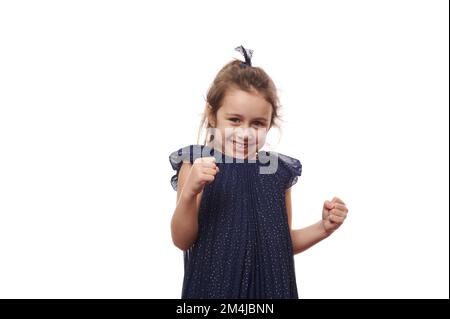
pixel 238 115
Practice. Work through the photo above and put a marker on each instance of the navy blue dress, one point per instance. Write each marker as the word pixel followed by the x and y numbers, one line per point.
pixel 243 248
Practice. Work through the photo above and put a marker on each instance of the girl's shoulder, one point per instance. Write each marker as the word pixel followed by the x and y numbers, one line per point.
pixel 287 167
pixel 188 154
pixel 285 160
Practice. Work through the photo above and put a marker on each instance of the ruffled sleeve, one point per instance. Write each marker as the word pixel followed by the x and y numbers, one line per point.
pixel 185 154
pixel 291 170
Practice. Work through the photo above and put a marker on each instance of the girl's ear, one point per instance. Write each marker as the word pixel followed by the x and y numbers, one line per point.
pixel 210 116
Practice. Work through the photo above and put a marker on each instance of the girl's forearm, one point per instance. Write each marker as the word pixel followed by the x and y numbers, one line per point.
pixel 304 238
pixel 184 224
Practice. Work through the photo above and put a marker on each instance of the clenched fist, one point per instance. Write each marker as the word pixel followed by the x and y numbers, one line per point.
pixel 203 172
pixel 333 214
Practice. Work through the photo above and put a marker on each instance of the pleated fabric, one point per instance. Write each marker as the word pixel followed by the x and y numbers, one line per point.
pixel 243 249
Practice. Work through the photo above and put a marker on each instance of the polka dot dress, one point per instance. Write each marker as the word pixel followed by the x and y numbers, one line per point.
pixel 243 248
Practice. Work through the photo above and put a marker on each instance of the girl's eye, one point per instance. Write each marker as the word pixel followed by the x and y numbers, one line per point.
pixel 236 120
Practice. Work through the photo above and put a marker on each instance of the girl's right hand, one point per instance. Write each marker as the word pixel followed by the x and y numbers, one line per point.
pixel 202 173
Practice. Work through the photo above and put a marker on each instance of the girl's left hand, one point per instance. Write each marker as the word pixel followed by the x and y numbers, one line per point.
pixel 333 214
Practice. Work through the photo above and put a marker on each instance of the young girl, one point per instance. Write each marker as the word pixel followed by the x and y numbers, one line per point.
pixel 233 212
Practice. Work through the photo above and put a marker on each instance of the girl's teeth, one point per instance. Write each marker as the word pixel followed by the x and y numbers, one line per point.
pixel 239 145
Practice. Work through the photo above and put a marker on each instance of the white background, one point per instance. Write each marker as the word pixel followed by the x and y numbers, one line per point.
pixel 95 95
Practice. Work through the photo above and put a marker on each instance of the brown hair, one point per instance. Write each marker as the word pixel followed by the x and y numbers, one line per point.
pixel 250 79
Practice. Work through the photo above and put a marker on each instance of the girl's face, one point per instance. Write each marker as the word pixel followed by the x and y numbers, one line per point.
pixel 241 124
